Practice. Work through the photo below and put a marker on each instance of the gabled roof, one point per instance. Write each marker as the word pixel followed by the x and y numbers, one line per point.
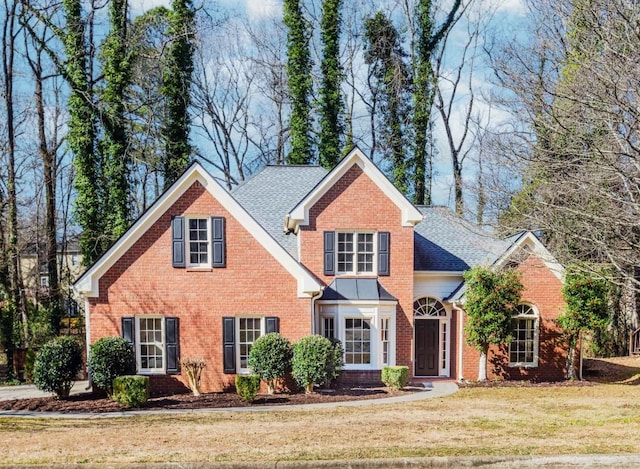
pixel 270 193
pixel 87 284
pixel 444 241
pixel 299 215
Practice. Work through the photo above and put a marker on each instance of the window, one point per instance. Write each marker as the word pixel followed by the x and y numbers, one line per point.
pixel 328 327
pixel 357 343
pixel 198 244
pixel 44 281
pixel 74 260
pixel 384 340
pixel 523 350
pixel 249 329
pixel 355 253
pixel 151 344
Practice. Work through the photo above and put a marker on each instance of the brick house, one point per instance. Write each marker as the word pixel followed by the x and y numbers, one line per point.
pixel 300 250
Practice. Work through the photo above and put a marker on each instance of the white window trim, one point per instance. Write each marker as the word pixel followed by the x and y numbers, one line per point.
pixel 189 265
pixel 536 338
pixel 150 371
pixel 374 265
pixel 374 313
pixel 239 370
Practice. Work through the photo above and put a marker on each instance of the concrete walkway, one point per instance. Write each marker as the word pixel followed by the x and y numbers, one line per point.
pixel 432 390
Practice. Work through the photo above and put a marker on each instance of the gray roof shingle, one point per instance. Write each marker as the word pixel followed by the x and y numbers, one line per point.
pixel 445 242
pixel 272 192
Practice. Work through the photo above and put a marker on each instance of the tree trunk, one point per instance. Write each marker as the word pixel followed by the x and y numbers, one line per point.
pixel 482 366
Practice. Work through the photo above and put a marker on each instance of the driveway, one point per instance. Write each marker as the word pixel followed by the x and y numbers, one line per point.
pixel 26 391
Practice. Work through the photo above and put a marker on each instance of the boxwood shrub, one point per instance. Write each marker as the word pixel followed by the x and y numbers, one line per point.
pixel 57 365
pixel 395 377
pixel 270 358
pixel 313 359
pixel 131 390
pixel 109 358
pixel 247 386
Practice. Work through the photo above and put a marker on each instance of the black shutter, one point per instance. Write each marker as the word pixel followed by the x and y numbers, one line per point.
pixel 229 345
pixel 272 324
pixel 217 242
pixel 329 252
pixel 128 330
pixel 383 252
pixel 172 345
pixel 178 242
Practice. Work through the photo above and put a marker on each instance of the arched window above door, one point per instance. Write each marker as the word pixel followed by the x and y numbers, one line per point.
pixel 428 307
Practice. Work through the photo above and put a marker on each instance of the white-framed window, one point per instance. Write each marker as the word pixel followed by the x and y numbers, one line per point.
pixel 249 329
pixel 150 344
pixel 355 253
pixel 74 260
pixel 198 244
pixel 357 341
pixel 328 327
pixel 384 340
pixel 523 350
pixel 44 281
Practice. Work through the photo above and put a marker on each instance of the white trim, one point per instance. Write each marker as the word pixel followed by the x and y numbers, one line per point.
pixel 438 273
pixel 88 283
pixel 536 337
pixel 531 241
pixel 354 252
pixel 239 369
pixel 187 249
pixel 443 346
pixel 87 330
pixel 299 216
pixel 138 344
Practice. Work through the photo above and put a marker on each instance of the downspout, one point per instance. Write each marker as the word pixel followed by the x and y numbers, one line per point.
pixel 313 309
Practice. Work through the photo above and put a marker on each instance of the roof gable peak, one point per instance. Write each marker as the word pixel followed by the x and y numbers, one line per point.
pixel 299 215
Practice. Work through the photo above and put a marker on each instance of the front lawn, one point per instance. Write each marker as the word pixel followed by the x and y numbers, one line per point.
pixel 601 418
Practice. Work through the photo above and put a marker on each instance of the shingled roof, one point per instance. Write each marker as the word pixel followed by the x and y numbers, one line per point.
pixel 272 192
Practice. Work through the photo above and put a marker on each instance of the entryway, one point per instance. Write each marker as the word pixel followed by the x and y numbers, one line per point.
pixel 431 331
pixel 426 360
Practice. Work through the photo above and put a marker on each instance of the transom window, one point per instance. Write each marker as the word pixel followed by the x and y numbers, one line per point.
pixel 249 329
pixel 150 332
pixel 355 253
pixel 357 343
pixel 198 241
pixel 523 350
pixel 428 307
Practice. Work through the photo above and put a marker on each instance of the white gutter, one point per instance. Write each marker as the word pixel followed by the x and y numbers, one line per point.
pixel 87 332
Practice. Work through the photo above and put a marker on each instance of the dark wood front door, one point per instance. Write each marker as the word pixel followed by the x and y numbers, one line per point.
pixel 426 359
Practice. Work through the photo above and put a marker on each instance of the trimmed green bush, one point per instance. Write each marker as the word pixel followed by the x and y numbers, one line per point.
pixel 109 358
pixel 395 377
pixel 247 386
pixel 311 363
pixel 270 358
pixel 131 390
pixel 57 365
pixel 336 361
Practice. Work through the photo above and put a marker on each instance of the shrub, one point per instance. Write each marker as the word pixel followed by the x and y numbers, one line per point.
pixel 270 358
pixel 131 390
pixel 336 361
pixel 193 367
pixel 311 364
pixel 247 386
pixel 395 377
pixel 109 358
pixel 29 362
pixel 57 365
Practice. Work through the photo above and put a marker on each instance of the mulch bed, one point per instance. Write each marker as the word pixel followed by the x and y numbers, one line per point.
pixel 92 404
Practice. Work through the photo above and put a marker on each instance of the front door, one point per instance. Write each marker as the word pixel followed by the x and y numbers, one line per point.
pixel 426 360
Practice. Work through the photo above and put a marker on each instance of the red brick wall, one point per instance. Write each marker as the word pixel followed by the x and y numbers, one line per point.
pixel 143 281
pixel 355 202
pixel 544 291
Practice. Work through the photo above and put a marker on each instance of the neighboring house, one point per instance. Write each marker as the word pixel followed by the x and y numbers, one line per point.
pixel 296 249
pixel 33 265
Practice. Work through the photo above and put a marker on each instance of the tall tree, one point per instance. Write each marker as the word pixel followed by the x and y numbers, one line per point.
pixel 176 88
pixel 428 39
pixel 300 83
pixel 331 103
pixel 391 84
pixel 115 144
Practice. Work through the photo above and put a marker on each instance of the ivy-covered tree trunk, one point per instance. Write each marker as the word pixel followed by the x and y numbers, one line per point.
pixel 424 93
pixel 331 104
pixel 300 83
pixel 176 88
pixel 115 145
pixel 81 135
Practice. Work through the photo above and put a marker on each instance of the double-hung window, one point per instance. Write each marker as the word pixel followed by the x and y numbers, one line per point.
pixel 151 344
pixel 355 253
pixel 198 245
pixel 357 341
pixel 249 329
pixel 523 350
